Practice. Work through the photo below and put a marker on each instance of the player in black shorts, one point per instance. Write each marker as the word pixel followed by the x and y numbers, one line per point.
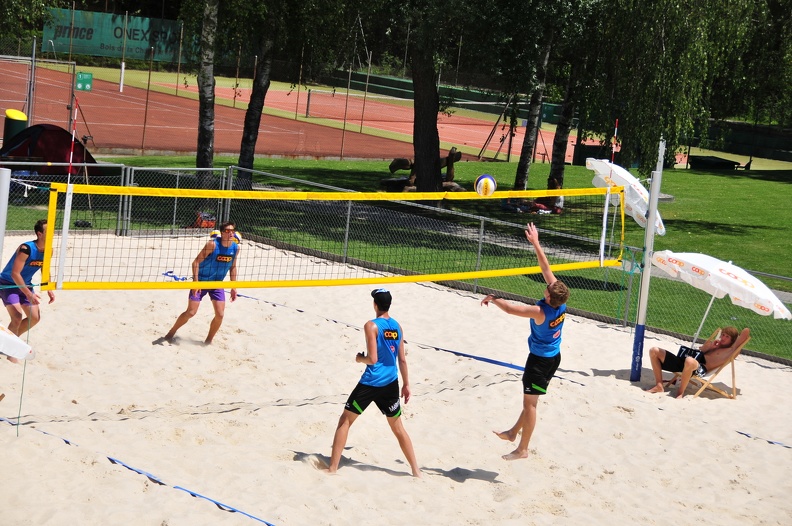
pixel 385 359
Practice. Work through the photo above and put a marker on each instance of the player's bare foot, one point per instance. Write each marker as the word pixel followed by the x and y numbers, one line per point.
pixel 680 394
pixel 656 389
pixel 2 395
pixel 12 359
pixel 506 435
pixel 515 455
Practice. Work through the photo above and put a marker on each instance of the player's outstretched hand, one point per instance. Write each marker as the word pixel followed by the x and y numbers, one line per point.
pixel 531 234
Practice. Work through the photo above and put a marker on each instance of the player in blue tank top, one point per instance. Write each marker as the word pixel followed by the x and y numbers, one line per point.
pixel 217 258
pixel 384 359
pixel 544 346
pixel 16 285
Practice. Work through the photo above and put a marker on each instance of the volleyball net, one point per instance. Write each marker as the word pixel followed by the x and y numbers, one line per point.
pixel 118 237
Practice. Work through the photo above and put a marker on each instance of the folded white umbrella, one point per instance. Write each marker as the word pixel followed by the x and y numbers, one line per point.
pixel 636 197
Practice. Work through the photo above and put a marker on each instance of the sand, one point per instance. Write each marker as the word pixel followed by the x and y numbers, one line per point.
pixel 247 422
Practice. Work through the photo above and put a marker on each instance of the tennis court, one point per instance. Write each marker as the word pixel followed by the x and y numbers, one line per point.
pixel 139 120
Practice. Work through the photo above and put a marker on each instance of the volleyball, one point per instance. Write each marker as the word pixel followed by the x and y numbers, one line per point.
pixel 485 185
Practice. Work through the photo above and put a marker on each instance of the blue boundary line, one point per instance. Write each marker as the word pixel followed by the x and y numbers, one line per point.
pixel 773 442
pixel 224 507
pixel 153 478
pixel 422 345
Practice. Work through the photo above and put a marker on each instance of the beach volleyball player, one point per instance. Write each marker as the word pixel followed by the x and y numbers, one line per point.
pixel 215 260
pixel 16 289
pixel 384 359
pixel 544 346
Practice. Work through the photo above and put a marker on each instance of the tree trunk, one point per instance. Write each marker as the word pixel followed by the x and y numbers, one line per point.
pixel 206 88
pixel 534 112
pixel 426 139
pixel 531 133
pixel 564 126
pixel 261 84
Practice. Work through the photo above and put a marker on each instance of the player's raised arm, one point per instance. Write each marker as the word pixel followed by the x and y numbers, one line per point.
pixel 532 235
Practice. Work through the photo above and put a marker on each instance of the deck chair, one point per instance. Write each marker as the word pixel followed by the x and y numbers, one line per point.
pixel 705 382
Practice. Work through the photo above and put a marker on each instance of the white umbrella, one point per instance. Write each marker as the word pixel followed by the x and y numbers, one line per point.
pixel 720 278
pixel 636 197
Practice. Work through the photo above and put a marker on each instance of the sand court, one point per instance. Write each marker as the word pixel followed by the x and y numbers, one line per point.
pixel 246 423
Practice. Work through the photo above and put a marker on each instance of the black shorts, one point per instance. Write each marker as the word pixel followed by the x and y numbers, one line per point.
pixel 538 372
pixel 386 398
pixel 674 364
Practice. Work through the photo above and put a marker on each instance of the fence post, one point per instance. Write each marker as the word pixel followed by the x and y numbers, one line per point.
pixel 478 254
pixel 627 300
pixel 5 190
pixel 175 206
pixel 346 230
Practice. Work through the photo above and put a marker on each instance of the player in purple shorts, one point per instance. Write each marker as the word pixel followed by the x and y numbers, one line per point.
pixel 215 260
pixel 16 289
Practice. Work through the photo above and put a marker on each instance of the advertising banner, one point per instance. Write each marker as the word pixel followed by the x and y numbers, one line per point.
pixel 111 35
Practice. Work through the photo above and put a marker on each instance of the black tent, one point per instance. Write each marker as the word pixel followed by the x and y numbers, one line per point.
pixel 46 143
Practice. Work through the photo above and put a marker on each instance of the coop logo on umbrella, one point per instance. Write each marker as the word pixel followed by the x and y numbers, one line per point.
pixel 735 277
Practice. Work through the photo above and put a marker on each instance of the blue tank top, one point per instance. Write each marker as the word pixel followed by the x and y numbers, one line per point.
pixel 33 264
pixel 545 338
pixel 218 263
pixel 386 370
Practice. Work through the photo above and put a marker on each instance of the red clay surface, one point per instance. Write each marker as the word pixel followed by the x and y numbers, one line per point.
pixel 138 121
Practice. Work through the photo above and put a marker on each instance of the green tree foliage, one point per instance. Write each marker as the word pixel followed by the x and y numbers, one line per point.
pixel 435 27
pixel 756 84
pixel 23 18
pixel 518 41
pixel 658 60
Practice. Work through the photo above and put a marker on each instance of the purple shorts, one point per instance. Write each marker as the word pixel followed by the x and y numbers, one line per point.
pixel 214 295
pixel 12 296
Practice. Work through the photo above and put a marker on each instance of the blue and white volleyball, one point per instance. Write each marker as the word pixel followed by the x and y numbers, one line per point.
pixel 485 185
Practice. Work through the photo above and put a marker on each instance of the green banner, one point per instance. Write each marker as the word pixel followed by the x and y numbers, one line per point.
pixel 111 35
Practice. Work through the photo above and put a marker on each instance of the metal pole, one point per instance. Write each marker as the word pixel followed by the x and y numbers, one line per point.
pixel 67 209
pixel 299 82
pixel 459 57
pixel 643 299
pixel 627 301
pixel 123 57
pixel 31 84
pixel 346 105
pixel 346 230
pixel 236 81
pixel 5 190
pixel 178 63
pixel 175 205
pixel 145 111
pixel 478 255
pixel 365 92
pixel 406 47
